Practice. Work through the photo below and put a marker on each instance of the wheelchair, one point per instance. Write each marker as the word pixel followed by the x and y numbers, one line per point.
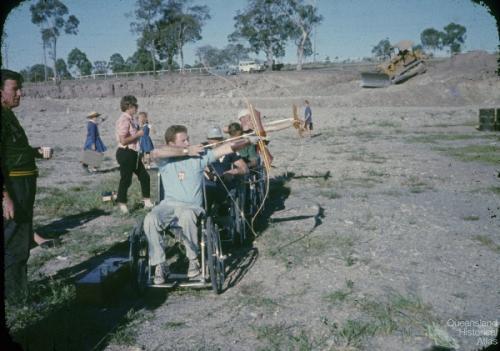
pixel 256 192
pixel 211 255
pixel 227 206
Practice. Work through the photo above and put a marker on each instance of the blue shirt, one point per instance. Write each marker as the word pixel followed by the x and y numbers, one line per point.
pixel 182 179
pixel 308 113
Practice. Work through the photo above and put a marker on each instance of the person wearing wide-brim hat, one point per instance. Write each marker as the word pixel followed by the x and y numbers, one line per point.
pixel 93 140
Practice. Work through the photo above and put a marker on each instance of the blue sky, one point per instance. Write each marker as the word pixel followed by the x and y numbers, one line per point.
pixel 350 28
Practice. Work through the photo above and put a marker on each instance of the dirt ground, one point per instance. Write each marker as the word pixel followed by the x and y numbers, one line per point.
pixel 382 231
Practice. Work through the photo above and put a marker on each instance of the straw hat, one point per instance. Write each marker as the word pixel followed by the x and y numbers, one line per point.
pixel 93 114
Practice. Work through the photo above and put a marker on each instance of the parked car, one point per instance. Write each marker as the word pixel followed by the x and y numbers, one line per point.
pixel 251 66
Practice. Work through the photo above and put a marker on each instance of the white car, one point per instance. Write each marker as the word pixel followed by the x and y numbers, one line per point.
pixel 251 66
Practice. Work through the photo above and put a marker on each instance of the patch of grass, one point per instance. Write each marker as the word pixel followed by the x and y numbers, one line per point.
pixel 375 173
pixel 489 154
pixel 353 332
pixel 397 313
pixel 389 124
pixel 366 135
pixel 368 157
pixel 394 193
pixel 41 300
pixel 174 325
pixel 281 337
pixel 362 182
pixel 330 194
pixel 126 334
pixel 494 189
pixel 436 138
pixel 416 185
pixel 341 295
pixel 440 337
pixel 488 242
pixel 471 218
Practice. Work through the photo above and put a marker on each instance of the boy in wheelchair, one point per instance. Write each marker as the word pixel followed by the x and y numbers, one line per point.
pixel 223 175
pixel 181 168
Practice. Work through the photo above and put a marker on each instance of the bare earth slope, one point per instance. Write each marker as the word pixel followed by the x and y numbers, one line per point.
pixel 382 231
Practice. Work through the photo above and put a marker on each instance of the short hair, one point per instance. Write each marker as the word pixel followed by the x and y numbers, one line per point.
pixel 172 131
pixel 233 128
pixel 7 74
pixel 307 102
pixel 127 102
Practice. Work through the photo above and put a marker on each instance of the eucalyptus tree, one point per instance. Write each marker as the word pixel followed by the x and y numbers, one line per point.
pixel 432 39
pixel 147 13
pixel 52 16
pixel 182 24
pixel 302 19
pixel 454 37
pixel 117 63
pixel 78 60
pixel 383 49
pixel 264 25
pixel 62 69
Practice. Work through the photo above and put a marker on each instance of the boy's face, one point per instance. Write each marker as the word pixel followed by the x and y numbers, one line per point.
pixel 245 122
pixel 181 140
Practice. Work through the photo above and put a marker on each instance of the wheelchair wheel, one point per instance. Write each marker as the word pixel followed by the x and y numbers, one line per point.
pixel 261 189
pixel 241 226
pixel 253 203
pixel 138 258
pixel 215 259
pixel 141 275
pixel 232 225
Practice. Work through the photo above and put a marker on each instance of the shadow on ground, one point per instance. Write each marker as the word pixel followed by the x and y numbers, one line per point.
pixel 60 227
pixel 79 326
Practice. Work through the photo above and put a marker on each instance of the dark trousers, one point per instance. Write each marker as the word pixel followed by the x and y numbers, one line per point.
pixel 130 163
pixel 17 236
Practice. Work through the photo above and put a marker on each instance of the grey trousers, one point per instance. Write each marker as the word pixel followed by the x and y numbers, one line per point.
pixel 158 220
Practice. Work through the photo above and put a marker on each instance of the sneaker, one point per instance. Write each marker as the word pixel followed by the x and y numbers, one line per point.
pixel 194 269
pixel 123 208
pixel 148 203
pixel 161 273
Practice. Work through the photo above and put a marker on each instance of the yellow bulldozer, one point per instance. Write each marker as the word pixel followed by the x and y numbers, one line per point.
pixel 403 65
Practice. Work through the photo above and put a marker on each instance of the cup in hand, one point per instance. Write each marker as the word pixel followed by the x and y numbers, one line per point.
pixel 46 152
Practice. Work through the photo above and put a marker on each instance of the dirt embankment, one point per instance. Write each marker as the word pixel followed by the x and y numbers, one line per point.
pixel 461 80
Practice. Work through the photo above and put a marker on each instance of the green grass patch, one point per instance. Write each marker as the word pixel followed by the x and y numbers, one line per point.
pixel 471 218
pixel 330 194
pixel 295 248
pixel 436 138
pixel 339 296
pixel 368 157
pixel 389 124
pixel 174 325
pixel 495 189
pixel 417 185
pixel 41 300
pixel 282 337
pixel 488 242
pixel 126 334
pixel 407 315
pixel 361 182
pixel 489 154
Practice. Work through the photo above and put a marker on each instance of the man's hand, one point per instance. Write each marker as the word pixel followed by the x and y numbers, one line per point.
pixel 8 206
pixel 139 133
pixel 254 139
pixel 195 150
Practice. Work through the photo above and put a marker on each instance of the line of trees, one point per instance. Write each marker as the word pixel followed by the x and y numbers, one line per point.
pixel 164 27
pixel 452 37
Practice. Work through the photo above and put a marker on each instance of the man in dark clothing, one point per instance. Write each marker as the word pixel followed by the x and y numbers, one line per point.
pixel 19 174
